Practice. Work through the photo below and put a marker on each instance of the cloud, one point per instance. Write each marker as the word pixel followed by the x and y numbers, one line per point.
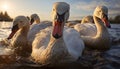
pixel 113 5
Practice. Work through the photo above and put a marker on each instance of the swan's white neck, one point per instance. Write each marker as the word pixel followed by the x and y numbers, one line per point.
pixel 21 34
pixel 101 40
pixel 24 31
pixel 101 29
pixel 19 40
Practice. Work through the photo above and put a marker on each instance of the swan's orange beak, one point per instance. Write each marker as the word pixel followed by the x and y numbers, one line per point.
pixel 14 30
pixel 58 26
pixel 105 20
pixel 58 29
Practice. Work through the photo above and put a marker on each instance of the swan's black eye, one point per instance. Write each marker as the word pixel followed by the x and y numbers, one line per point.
pixel 105 16
pixel 15 27
pixel 21 21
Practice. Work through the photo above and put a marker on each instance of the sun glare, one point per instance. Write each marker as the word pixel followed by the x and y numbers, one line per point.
pixel 5 6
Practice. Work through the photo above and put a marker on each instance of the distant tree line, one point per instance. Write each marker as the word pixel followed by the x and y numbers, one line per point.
pixel 5 17
pixel 116 19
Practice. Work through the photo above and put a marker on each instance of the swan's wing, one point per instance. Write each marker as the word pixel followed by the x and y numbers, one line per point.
pixel 35 28
pixel 40 42
pixel 42 38
pixel 73 42
pixel 87 29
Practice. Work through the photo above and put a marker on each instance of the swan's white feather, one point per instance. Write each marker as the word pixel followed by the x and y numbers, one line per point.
pixel 86 29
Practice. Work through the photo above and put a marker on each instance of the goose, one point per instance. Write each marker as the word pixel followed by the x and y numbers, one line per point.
pixel 57 44
pixel 35 27
pixel 101 40
pixel 18 36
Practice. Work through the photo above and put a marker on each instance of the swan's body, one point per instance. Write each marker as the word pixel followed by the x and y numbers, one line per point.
pixel 36 27
pixel 73 46
pixel 63 45
pixel 99 40
pixel 86 29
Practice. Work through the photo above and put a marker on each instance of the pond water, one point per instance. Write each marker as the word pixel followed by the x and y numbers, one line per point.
pixel 91 59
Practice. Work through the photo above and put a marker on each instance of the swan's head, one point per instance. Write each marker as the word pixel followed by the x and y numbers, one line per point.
pixel 34 17
pixel 60 14
pixel 18 23
pixel 102 13
pixel 87 19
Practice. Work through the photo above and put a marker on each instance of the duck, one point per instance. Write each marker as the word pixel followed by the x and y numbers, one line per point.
pixel 101 40
pixel 35 27
pixel 57 43
pixel 18 37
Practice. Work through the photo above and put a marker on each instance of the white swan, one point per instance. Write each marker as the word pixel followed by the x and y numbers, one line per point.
pixel 87 26
pixel 86 29
pixel 90 29
pixel 36 27
pixel 101 40
pixel 18 36
pixel 35 19
pixel 87 19
pixel 63 45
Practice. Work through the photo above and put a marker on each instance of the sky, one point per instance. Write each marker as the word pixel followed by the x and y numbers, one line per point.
pixel 78 8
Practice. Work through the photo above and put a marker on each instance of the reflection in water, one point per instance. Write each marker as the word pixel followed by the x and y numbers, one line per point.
pixel 5 25
pixel 91 59
pixel 5 29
